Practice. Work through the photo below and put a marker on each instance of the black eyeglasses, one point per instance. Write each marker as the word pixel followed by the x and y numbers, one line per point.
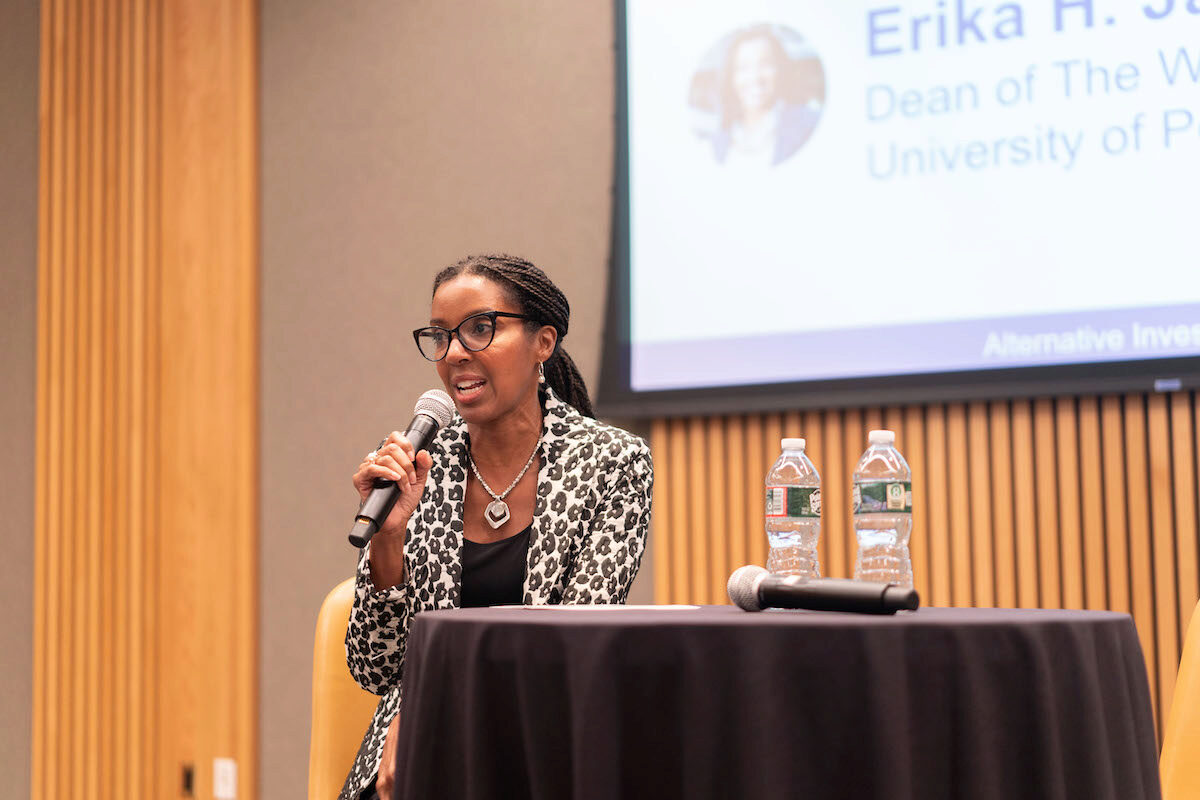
pixel 475 333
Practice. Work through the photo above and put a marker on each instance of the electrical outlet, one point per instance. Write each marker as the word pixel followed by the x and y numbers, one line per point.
pixel 224 779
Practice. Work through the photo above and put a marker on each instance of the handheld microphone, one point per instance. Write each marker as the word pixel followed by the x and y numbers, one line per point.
pixel 752 588
pixel 434 409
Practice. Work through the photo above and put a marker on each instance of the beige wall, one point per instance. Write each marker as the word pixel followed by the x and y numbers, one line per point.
pixel 397 137
pixel 18 353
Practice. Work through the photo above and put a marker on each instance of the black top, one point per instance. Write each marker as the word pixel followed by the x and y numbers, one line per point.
pixel 493 574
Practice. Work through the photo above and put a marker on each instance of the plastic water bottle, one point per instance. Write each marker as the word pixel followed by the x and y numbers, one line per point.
pixel 882 505
pixel 793 513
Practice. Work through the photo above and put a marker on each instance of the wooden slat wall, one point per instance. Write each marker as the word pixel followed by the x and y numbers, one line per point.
pixel 1071 502
pixel 146 549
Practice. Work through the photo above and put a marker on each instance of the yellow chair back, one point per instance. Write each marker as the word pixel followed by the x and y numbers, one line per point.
pixel 1180 761
pixel 341 709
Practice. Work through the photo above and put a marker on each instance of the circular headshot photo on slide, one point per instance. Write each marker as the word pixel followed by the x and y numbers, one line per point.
pixel 757 95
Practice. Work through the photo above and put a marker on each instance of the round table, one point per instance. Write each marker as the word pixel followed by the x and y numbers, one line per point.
pixel 719 703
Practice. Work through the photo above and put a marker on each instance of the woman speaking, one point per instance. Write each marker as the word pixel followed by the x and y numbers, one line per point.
pixel 529 499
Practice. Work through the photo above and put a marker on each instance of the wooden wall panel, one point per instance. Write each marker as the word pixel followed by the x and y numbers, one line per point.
pixel 679 552
pixel 698 510
pixel 1076 502
pixel 979 480
pixel 938 497
pixel 145 640
pixel 758 461
pixel 1005 543
pixel 1137 484
pixel 961 578
pixel 1116 520
pixel 1025 507
pixel 714 446
pixel 663 512
pixel 1092 503
pixel 835 473
pixel 738 501
pixel 1162 535
pixel 1045 467
pixel 1066 446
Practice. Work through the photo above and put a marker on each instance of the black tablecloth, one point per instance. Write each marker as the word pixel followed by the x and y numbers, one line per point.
pixel 718 703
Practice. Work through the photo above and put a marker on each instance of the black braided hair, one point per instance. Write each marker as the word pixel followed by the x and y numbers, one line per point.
pixel 536 296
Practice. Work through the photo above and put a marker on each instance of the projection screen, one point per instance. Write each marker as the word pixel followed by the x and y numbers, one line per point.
pixel 830 203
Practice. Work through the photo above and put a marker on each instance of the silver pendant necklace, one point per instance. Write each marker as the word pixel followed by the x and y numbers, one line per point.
pixel 496 513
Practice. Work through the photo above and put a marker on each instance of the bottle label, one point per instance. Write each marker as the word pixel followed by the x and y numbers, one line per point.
pixel 883 496
pixel 793 501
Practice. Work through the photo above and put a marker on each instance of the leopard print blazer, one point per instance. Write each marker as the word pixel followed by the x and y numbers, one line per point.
pixel 589 531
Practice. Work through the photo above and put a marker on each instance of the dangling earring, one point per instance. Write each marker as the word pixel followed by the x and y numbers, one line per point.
pixel 541 373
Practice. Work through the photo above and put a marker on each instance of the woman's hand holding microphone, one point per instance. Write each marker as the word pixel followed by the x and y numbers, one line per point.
pixel 393 460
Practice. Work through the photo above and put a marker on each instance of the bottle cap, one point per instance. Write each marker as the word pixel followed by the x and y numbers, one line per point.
pixel 792 444
pixel 881 437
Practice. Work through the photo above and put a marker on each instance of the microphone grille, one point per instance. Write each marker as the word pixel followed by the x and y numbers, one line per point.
pixel 436 404
pixel 743 587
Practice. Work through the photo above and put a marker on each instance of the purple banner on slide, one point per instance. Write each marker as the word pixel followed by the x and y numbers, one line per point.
pixel 1040 340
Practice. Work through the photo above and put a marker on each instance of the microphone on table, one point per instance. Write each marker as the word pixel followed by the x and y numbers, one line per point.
pixel 752 588
pixel 434 409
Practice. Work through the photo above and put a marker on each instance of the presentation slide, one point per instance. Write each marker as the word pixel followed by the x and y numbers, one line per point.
pixel 828 190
